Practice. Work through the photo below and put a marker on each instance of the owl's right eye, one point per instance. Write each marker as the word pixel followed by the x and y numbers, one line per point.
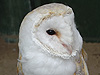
pixel 51 32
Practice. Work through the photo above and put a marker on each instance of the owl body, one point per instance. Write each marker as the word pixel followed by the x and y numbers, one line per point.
pixel 49 43
pixel 48 65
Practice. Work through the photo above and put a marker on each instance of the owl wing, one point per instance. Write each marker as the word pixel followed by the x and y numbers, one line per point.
pixel 19 66
pixel 81 65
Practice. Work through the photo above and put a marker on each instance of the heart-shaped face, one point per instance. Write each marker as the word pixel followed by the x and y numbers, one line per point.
pixel 53 27
pixel 56 34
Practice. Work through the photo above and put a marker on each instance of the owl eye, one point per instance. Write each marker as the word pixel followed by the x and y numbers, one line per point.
pixel 51 32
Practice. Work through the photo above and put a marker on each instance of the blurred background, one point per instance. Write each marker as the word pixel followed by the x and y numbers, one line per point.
pixel 12 12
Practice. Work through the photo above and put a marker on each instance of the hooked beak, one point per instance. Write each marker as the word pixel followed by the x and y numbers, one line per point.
pixel 69 48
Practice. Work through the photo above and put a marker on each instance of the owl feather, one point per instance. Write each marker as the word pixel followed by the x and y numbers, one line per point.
pixel 50 44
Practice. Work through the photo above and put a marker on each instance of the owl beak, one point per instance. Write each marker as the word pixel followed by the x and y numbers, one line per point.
pixel 69 48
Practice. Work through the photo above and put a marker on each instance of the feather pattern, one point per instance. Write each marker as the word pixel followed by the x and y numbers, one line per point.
pixel 58 54
pixel 19 66
pixel 81 65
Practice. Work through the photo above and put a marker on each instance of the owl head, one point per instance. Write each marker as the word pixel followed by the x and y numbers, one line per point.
pixel 51 28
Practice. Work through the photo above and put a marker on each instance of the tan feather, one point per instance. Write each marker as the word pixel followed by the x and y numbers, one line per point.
pixel 19 66
pixel 81 65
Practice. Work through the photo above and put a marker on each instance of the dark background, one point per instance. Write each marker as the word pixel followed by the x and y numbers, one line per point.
pixel 87 14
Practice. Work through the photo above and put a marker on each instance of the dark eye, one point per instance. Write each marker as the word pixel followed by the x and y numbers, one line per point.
pixel 51 32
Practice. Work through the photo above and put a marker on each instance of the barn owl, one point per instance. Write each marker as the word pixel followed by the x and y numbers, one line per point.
pixel 50 44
